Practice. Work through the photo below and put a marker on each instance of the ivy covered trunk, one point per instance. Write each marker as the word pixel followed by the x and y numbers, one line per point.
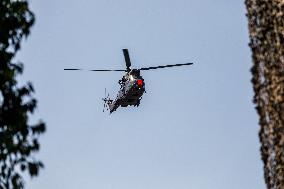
pixel 266 30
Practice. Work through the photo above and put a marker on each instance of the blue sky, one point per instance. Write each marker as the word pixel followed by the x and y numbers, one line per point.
pixel 196 126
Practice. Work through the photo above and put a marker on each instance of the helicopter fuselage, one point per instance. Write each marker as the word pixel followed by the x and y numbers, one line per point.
pixel 132 87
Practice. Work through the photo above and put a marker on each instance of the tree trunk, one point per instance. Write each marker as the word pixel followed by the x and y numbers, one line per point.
pixel 266 29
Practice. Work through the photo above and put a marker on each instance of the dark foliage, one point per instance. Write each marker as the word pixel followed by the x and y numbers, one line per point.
pixel 18 138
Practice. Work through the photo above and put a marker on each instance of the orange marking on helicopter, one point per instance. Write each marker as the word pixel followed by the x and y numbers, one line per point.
pixel 140 82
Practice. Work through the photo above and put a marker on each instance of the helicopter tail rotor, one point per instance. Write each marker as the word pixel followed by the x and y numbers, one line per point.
pixel 107 101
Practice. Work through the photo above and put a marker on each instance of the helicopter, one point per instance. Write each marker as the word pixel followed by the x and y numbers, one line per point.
pixel 132 85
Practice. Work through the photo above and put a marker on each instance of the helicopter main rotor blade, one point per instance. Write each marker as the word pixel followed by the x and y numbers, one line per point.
pixel 72 69
pixel 107 70
pixel 127 59
pixel 76 69
pixel 165 66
